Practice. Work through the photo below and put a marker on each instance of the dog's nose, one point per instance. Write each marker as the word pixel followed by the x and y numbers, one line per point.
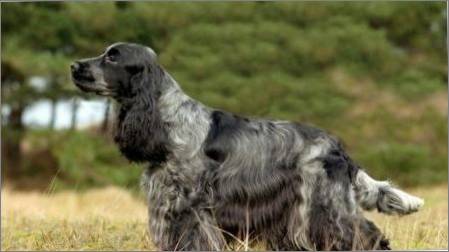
pixel 75 66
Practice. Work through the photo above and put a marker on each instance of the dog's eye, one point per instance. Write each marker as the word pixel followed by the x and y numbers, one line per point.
pixel 110 58
pixel 112 55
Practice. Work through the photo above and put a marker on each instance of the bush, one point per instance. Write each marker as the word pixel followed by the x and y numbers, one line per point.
pixel 408 164
pixel 85 159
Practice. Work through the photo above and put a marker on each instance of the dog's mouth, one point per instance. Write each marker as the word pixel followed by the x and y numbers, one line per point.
pixel 84 82
pixel 83 77
pixel 87 83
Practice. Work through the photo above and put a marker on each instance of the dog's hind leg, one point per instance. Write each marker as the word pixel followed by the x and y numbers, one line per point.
pixel 367 236
pixel 346 232
pixel 371 194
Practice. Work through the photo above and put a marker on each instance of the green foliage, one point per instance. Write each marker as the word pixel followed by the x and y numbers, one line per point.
pixel 413 84
pixel 84 159
pixel 408 164
pixel 91 160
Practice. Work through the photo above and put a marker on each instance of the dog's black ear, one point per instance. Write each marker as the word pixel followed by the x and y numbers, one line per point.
pixel 141 133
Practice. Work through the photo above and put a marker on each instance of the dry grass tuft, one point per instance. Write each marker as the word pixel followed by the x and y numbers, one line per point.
pixel 426 229
pixel 100 219
pixel 111 219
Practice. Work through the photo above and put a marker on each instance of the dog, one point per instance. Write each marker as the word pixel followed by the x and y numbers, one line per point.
pixel 214 178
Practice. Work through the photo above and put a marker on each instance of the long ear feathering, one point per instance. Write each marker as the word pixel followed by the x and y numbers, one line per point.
pixel 140 132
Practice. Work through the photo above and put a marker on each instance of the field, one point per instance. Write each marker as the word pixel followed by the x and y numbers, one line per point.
pixel 111 218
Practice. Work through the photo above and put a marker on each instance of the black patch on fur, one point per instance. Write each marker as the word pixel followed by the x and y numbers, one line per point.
pixel 134 69
pixel 223 128
pixel 338 165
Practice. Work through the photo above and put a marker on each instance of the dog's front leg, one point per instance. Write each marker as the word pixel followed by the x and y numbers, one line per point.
pixel 179 219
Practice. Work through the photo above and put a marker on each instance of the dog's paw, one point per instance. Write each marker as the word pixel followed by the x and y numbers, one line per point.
pixel 395 201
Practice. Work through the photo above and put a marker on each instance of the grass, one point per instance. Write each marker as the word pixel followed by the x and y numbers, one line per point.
pixel 112 219
pixel 426 229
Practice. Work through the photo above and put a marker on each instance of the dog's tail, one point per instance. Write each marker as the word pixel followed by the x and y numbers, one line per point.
pixel 382 195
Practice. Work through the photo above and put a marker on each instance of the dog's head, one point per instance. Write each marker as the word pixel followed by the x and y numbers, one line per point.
pixel 122 71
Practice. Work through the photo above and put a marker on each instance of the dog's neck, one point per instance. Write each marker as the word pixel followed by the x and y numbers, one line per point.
pixel 188 120
pixel 162 125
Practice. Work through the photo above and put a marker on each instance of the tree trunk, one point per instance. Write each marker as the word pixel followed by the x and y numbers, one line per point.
pixel 52 122
pixel 75 106
pixel 104 126
pixel 11 152
pixel 3 119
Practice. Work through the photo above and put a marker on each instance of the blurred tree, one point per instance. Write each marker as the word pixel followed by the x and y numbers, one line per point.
pixel 314 62
pixel 12 88
pixel 106 119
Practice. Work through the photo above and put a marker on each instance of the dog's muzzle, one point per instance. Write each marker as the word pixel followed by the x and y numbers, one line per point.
pixel 80 72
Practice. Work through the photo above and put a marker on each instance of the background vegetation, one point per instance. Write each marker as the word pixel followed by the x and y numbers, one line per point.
pixel 374 74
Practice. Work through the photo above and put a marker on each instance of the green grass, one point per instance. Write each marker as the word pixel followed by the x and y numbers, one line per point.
pixel 112 218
